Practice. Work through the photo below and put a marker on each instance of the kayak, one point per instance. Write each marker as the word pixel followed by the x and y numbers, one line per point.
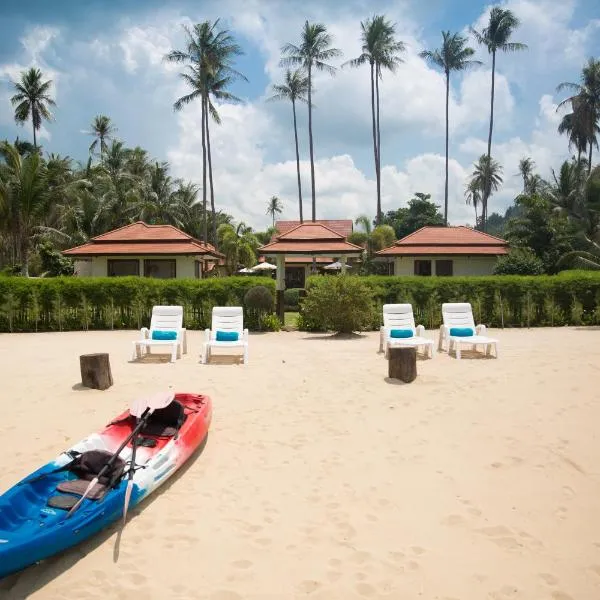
pixel 38 516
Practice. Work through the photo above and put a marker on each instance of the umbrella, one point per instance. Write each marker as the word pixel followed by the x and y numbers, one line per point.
pixel 245 270
pixel 265 266
pixel 336 266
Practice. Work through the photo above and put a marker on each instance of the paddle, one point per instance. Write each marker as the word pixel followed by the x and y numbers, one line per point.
pixel 130 480
pixel 146 408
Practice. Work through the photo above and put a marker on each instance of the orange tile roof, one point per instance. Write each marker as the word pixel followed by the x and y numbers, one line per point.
pixel 141 231
pixel 446 240
pixel 293 260
pixel 341 226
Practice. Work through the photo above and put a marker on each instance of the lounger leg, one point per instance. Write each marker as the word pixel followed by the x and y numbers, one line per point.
pixel 496 349
pixel 246 355
pixel 174 353
pixel 206 351
pixel 380 341
pixel 457 349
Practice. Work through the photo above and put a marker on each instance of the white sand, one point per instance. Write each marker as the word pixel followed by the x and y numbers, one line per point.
pixel 322 480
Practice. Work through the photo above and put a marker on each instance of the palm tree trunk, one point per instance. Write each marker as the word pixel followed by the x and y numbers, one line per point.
pixel 310 141
pixel 205 222
pixel 447 136
pixel 210 177
pixel 590 160
pixel 374 130
pixel 297 162
pixel 377 74
pixel 486 192
pixel 34 137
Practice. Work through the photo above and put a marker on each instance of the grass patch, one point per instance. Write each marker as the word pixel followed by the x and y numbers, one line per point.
pixel 291 319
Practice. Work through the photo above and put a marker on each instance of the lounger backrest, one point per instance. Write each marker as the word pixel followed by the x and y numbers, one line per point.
pixel 227 318
pixel 166 318
pixel 457 314
pixel 398 316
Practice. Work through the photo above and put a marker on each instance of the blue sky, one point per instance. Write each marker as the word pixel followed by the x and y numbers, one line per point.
pixel 105 58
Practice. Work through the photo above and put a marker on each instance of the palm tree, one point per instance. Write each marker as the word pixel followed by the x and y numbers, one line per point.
pixel 294 89
pixel 274 206
pixel 102 129
pixel 573 125
pixel 239 244
pixel 586 104
pixel 312 53
pixel 380 50
pixel 32 100
pixel 454 55
pixel 208 55
pixel 501 25
pixel 485 179
pixel 473 196
pixel 526 172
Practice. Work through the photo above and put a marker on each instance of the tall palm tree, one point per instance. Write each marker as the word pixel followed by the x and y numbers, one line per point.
pixel 473 196
pixel 274 206
pixel 453 55
pixel 294 89
pixel 32 100
pixel 239 244
pixel 485 179
pixel 501 25
pixel 103 130
pixel 586 104
pixel 313 53
pixel 208 52
pixel 573 125
pixel 380 50
pixel 526 166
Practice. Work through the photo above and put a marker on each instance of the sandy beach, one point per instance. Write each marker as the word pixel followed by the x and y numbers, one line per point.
pixel 323 480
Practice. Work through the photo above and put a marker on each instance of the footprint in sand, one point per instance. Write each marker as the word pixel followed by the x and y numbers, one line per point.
pixel 549 578
pixel 502 536
pixel 365 589
pixel 242 564
pixel 309 586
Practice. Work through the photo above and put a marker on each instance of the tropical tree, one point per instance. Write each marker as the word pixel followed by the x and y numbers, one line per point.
pixel 274 206
pixel 32 100
pixel 500 28
pixel 103 130
pixel 586 105
pixel 473 196
pixel 294 88
pixel 526 166
pixel 574 126
pixel 312 53
pixel 380 50
pixel 239 244
pixel 485 179
pixel 453 55
pixel 420 213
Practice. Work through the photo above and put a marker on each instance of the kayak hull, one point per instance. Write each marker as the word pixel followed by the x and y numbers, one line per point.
pixel 31 531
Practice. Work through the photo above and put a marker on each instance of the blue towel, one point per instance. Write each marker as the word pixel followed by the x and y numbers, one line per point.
pixel 227 336
pixel 461 331
pixel 164 335
pixel 401 333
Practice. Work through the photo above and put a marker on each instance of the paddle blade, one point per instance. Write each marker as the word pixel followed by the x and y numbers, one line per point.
pixel 155 402
pixel 93 482
pixel 127 499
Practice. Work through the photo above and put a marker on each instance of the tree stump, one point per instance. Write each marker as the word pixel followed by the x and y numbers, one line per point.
pixel 95 371
pixel 402 363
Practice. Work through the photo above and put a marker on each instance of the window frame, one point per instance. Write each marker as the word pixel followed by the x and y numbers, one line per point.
pixel 422 261
pixel 173 262
pixel 111 261
pixel 446 261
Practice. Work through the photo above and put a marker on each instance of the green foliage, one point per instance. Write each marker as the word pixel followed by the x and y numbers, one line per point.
pixel 513 301
pixel 291 298
pixel 270 322
pixel 53 262
pixel 519 262
pixel 73 303
pixel 342 304
pixel 258 302
pixel 420 212
pixel 382 237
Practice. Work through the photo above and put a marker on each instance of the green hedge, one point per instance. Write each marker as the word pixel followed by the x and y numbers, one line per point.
pixel 74 303
pixel 571 298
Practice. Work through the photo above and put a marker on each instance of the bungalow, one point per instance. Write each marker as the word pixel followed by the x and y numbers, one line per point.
pixel 160 251
pixel 444 251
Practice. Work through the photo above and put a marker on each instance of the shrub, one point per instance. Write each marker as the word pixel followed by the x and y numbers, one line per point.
pixel 343 304
pixel 270 322
pixel 258 301
pixel 291 298
pixel 520 261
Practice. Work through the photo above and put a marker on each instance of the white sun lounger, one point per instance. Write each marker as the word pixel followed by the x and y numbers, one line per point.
pixel 226 318
pixel 164 318
pixel 460 315
pixel 400 316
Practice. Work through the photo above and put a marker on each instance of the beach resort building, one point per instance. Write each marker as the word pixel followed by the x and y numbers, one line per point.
pixel 160 251
pixel 444 251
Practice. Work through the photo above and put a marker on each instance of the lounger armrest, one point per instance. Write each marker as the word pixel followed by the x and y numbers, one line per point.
pixel 145 332
pixel 207 335
pixel 481 330
pixel 420 331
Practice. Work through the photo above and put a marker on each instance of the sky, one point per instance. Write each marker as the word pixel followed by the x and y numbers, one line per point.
pixel 105 57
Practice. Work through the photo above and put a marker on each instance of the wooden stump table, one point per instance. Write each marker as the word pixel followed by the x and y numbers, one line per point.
pixel 402 363
pixel 95 371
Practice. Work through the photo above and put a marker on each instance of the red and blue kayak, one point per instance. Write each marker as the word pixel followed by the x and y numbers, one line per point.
pixel 33 513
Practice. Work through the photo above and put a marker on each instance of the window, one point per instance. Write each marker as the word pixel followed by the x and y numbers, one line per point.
pixel 443 268
pixel 294 277
pixel 197 269
pixel 123 267
pixel 423 267
pixel 160 269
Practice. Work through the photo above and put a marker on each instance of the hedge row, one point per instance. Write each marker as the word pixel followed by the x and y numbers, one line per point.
pixel 72 303
pixel 570 298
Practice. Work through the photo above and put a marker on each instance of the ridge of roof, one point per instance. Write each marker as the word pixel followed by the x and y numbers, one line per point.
pixel 311 224
pixel 406 240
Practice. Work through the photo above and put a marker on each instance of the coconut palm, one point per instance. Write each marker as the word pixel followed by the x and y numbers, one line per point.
pixel 501 25
pixel 380 50
pixel 485 179
pixel 103 130
pixel 473 196
pixel 453 55
pixel 526 166
pixel 586 107
pixel 239 244
pixel 274 206
pixel 294 88
pixel 312 54
pixel 32 100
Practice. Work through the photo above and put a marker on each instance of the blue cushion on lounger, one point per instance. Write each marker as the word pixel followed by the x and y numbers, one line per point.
pixel 401 333
pixel 227 336
pixel 461 331
pixel 164 335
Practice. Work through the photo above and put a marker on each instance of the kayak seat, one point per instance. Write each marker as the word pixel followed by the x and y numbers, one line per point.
pixel 165 422
pixel 78 487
